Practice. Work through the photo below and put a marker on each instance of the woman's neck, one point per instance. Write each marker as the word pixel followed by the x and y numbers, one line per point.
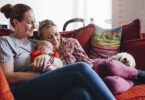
pixel 20 37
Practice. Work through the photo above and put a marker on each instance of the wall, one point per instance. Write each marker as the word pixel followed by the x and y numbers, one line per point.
pixel 125 11
pixel 100 10
pixel 56 10
pixel 62 10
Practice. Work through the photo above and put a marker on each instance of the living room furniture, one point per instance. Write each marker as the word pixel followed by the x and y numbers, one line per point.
pixel 132 41
pixel 72 21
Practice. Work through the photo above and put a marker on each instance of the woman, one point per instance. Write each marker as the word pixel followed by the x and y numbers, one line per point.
pixel 114 73
pixel 72 82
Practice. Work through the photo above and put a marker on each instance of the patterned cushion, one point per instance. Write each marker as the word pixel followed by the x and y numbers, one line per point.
pixel 105 42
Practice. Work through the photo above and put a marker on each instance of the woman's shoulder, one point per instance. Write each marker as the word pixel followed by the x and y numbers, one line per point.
pixel 5 38
pixel 6 41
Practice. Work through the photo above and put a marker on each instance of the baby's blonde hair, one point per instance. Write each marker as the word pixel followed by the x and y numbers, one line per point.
pixel 43 43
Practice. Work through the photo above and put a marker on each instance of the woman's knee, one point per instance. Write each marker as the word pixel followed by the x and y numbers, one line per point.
pixel 82 66
pixel 107 67
pixel 117 84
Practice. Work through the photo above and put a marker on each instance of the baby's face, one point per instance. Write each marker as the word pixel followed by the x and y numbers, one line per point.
pixel 46 49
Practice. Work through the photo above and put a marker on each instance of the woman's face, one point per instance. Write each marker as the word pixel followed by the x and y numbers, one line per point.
pixel 26 27
pixel 52 35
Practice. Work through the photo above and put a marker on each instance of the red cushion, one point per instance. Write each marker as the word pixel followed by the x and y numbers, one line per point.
pixel 135 93
pixel 137 49
pixel 4 32
pixel 5 93
pixel 83 35
pixel 131 31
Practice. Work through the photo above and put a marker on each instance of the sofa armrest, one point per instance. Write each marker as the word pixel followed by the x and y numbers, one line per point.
pixel 136 47
pixel 5 93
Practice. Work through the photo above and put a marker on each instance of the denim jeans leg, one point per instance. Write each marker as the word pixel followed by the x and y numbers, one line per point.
pixel 77 93
pixel 54 84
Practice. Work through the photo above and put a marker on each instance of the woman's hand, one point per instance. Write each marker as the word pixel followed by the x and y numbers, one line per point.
pixel 40 63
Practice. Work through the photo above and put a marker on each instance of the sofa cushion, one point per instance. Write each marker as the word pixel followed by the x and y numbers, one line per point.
pixel 5 93
pixel 4 32
pixel 136 47
pixel 135 93
pixel 131 31
pixel 105 42
pixel 83 35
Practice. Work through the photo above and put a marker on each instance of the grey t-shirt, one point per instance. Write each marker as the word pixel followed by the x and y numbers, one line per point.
pixel 16 51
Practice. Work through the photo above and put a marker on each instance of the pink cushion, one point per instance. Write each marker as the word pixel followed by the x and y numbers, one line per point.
pixel 131 31
pixel 137 49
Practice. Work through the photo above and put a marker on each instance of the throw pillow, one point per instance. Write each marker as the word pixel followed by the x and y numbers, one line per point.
pixel 83 35
pixel 131 31
pixel 136 47
pixel 105 42
pixel 4 32
pixel 5 93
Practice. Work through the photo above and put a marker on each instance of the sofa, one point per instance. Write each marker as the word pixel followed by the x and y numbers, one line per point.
pixel 132 41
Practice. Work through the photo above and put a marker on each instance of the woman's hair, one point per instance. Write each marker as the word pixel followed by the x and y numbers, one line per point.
pixel 15 12
pixel 45 24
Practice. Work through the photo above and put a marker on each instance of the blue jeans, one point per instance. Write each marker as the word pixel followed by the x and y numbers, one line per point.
pixel 55 85
pixel 77 93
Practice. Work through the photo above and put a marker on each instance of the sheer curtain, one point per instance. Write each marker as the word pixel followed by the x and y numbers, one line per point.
pixel 100 11
pixel 94 11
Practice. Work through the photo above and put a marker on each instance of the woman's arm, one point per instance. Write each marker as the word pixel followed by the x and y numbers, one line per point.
pixel 40 62
pixel 80 54
pixel 58 62
pixel 16 77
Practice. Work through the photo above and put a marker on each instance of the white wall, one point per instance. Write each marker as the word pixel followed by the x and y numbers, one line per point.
pixel 56 10
pixel 125 11
pixel 62 10
pixel 100 10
